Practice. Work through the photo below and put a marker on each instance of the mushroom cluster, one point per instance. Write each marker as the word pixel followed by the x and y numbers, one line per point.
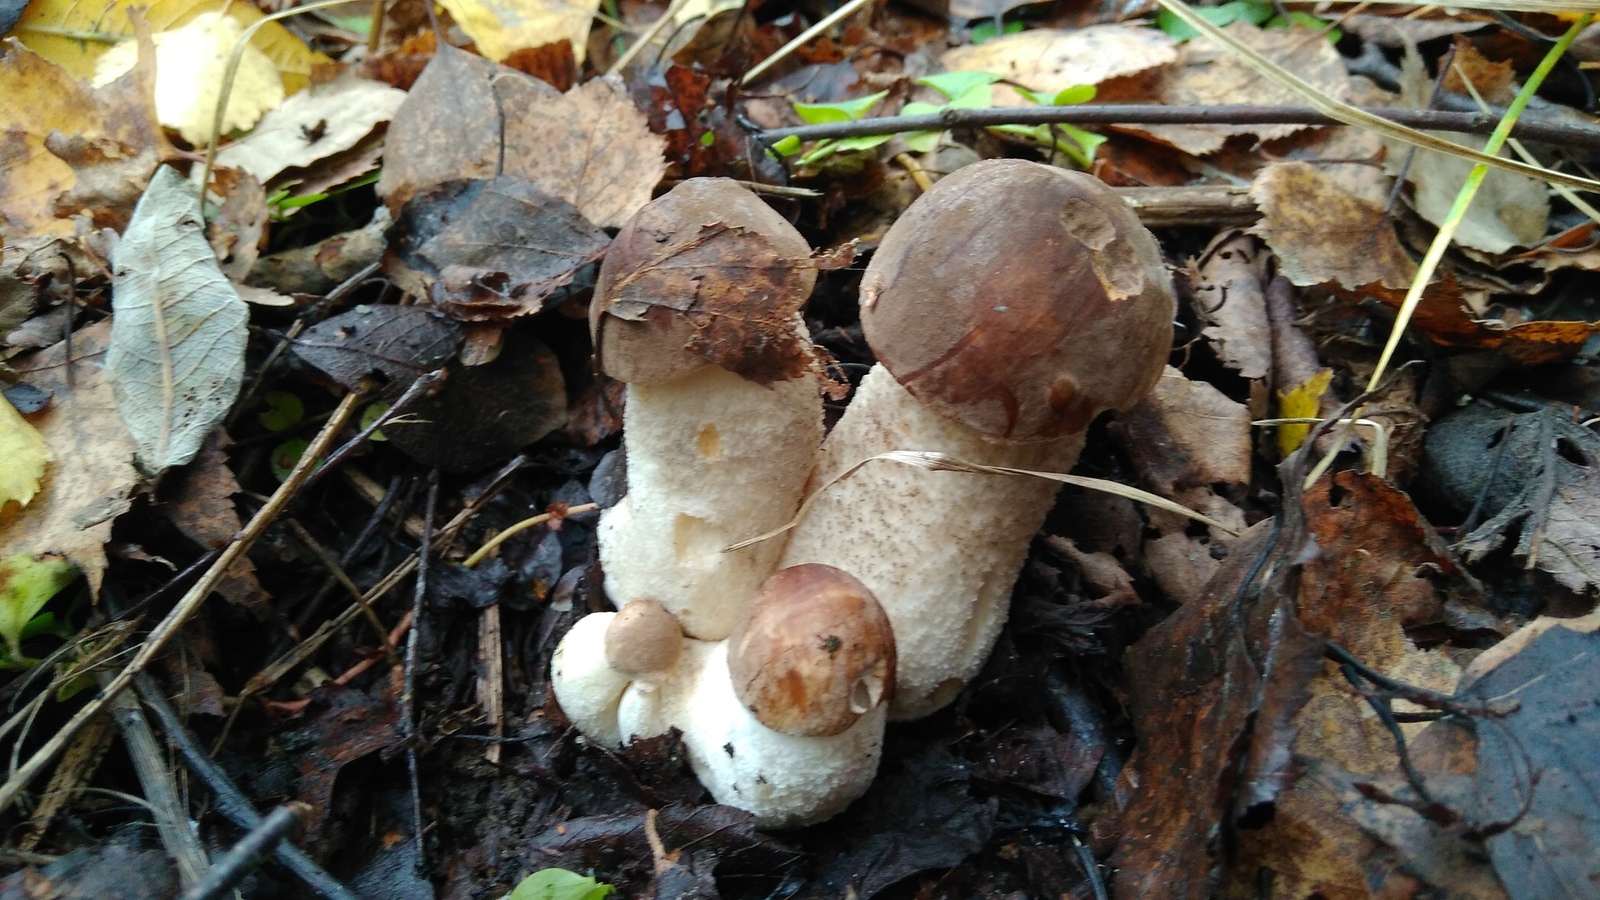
pixel 1008 307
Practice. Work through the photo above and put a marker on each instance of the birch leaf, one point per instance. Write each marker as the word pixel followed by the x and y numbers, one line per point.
pixel 25 453
pixel 177 340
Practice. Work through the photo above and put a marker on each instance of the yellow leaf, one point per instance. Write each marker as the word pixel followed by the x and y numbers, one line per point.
pixel 73 34
pixel 501 27
pixel 190 65
pixel 1304 401
pixel 25 455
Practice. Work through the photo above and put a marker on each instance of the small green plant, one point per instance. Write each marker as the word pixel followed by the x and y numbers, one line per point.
pixel 284 411
pixel 1255 12
pixel 827 113
pixel 988 31
pixel 559 884
pixel 27 583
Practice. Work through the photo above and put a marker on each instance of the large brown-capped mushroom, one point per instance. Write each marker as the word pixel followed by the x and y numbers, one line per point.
pixel 697 309
pixel 1009 306
pixel 815 648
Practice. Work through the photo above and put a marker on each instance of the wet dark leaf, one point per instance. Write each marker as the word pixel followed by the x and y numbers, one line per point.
pixel 398 343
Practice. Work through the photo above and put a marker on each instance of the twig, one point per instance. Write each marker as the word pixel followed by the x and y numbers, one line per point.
pixel 1154 114
pixel 186 606
pixel 247 854
pixel 805 37
pixel 172 818
pixel 231 802
pixel 649 35
pixel 408 700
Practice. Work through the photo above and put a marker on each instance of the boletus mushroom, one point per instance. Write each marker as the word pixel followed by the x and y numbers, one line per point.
pixel 1008 307
pixel 697 309
pixel 784 719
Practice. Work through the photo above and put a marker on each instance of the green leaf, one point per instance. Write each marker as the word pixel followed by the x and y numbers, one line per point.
pixel 708 139
pixel 987 32
pixel 373 413
pixel 979 96
pixel 1221 16
pixel 285 455
pixel 1072 96
pixel 789 146
pixel 559 884
pixel 284 411
pixel 954 84
pixel 918 108
pixel 922 141
pixel 843 111
pixel 27 583
pixel 1297 17
pixel 866 142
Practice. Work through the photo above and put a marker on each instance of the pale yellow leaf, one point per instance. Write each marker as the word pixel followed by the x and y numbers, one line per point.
pixel 190 65
pixel 25 455
pixel 501 27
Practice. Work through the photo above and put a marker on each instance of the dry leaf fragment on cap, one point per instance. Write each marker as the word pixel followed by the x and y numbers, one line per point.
pixel 88 483
pixel 1207 75
pixel 190 62
pixel 1050 60
pixel 176 359
pixel 499 27
pixel 312 125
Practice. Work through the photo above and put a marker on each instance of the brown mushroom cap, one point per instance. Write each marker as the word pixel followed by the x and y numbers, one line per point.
pixel 706 273
pixel 643 639
pixel 812 652
pixel 1020 300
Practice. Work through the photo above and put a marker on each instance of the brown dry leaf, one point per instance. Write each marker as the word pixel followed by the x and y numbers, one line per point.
pixel 1494 81
pixel 110 135
pixel 88 485
pixel 1509 210
pixel 1576 248
pixel 1187 434
pixel 1227 295
pixel 313 125
pixel 1325 236
pixel 201 506
pixel 591 147
pixel 1049 60
pixel 235 234
pixel 1206 75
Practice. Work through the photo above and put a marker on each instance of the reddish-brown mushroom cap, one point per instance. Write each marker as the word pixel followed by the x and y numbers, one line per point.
pixel 812 653
pixel 1020 299
pixel 705 274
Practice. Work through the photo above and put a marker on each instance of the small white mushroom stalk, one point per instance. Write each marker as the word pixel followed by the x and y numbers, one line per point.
pixel 940 550
pixel 712 459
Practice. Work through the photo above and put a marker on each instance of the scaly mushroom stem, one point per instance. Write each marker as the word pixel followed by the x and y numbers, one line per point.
pixel 712 458
pixel 940 550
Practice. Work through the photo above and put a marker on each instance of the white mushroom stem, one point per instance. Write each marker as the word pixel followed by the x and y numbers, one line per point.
pixel 940 550
pixel 781 780
pixel 712 459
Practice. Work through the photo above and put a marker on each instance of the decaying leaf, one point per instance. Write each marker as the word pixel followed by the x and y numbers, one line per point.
pixel 190 63
pixel 1187 434
pixel 487 251
pixel 201 506
pixel 56 30
pixel 26 456
pixel 1050 60
pixel 88 485
pixel 1228 297
pixel 111 134
pixel 312 125
pixel 396 343
pixel 26 584
pixel 1205 75
pixel 598 154
pixel 499 27
pixel 177 339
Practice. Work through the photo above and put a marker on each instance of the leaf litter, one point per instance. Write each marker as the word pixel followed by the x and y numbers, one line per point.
pixel 1277 689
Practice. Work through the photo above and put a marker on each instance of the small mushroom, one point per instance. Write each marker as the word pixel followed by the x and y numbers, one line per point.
pixel 697 309
pixel 812 653
pixel 1008 307
pixel 781 779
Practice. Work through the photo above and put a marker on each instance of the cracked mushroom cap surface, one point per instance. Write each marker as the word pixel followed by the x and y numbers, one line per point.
pixel 706 274
pixel 1020 299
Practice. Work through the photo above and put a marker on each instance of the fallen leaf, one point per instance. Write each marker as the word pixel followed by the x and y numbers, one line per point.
pixel 312 125
pixel 1228 297
pixel 88 485
pixel 56 30
pixel 397 343
pixel 113 129
pixel 320 267
pixel 1494 81
pixel 236 232
pixel 1509 210
pixel 1206 75
pixel 677 107
pixel 200 504
pixel 26 584
pixel 1050 60
pixel 190 67
pixel 487 251
pixel 26 456
pixel 1186 434
pixel 499 27
pixel 598 152
pixel 178 337
pixel 551 63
